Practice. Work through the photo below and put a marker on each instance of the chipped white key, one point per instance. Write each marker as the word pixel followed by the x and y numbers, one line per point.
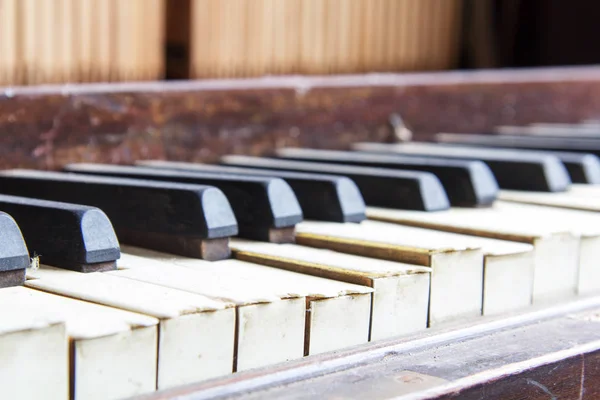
pixel 113 352
pixel 556 247
pixel 401 298
pixel 196 333
pixel 34 351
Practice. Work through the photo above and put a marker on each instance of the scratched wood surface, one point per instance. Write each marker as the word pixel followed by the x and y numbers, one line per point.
pixel 551 353
pixel 46 127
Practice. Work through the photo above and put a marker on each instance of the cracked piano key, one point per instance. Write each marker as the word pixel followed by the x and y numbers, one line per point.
pixel 281 315
pixel 187 219
pixel 266 208
pixel 322 197
pixel 14 254
pixel 556 247
pixel 113 352
pixel 68 235
pixel 513 169
pixel 564 144
pixel 467 183
pixel 35 331
pixel 196 333
pixel 410 190
pixel 401 291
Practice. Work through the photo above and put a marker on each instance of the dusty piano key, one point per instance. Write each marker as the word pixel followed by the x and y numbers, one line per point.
pixel 576 145
pixel 266 208
pixel 192 220
pixel 34 351
pixel 410 190
pixel 321 197
pixel 281 315
pixel 465 269
pixel 14 255
pixel 556 247
pixel 467 183
pixel 68 235
pixel 196 333
pixel 513 169
pixel 401 291
pixel 112 352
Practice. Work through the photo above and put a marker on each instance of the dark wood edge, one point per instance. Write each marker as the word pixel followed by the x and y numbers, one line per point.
pixel 185 246
pixel 282 235
pixel 96 267
pixel 48 127
pixel 311 369
pixel 524 379
pixel 299 82
pixel 15 277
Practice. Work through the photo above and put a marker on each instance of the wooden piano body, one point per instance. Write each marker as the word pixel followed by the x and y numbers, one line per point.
pixel 546 352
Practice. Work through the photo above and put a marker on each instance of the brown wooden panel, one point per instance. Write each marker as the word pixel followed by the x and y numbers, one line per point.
pixel 201 120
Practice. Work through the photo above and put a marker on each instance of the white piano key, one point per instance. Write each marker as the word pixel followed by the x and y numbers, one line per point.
pixel 113 351
pixel 585 224
pixel 577 198
pixel 556 251
pixel 270 327
pixel 401 298
pixel 34 351
pixel 508 267
pixel 268 297
pixel 196 334
pixel 338 312
pixel 457 268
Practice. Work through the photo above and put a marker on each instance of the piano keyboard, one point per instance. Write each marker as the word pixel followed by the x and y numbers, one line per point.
pixel 125 280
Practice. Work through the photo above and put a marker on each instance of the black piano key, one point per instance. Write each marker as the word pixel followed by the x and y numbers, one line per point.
pixel 513 169
pixel 70 236
pixel 561 144
pixel 410 190
pixel 189 220
pixel 321 197
pixel 14 255
pixel 582 167
pixel 266 208
pixel 467 183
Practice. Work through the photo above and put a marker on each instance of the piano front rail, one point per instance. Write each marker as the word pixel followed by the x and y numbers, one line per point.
pixel 546 352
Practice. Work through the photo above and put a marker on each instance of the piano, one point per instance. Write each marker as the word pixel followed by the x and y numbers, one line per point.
pixel 362 236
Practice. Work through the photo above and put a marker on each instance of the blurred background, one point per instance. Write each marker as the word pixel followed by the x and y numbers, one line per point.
pixel 59 41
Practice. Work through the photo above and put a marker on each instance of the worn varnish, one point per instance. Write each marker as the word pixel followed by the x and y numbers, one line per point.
pixel 199 121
